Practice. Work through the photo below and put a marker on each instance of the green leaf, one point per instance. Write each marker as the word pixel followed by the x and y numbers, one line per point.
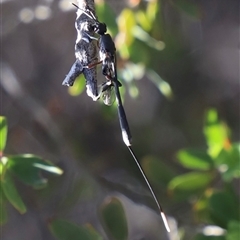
pixel 94 234
pixel 216 133
pixel 3 164
pixel 78 87
pixel 223 208
pixel 114 219
pixel 162 85
pixel 126 22
pixel 143 20
pixel 27 168
pixel 3 209
pixel 157 171
pixel 190 181
pixel 11 193
pixel 233 232
pixel 195 159
pixel 228 162
pixel 3 133
pixel 200 236
pixel 152 10
pixel 140 34
pixel 65 230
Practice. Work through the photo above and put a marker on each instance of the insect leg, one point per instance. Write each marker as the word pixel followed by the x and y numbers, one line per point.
pixel 74 72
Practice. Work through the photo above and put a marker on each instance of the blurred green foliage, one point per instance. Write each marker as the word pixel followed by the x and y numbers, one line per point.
pixel 114 219
pixel 212 185
pixel 218 164
pixel 65 230
pixel 209 183
pixel 211 204
pixel 26 168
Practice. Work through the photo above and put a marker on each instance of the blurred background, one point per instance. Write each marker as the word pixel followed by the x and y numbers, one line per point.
pixel 178 61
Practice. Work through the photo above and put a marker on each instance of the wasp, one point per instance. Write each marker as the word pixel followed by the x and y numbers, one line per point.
pixel 107 55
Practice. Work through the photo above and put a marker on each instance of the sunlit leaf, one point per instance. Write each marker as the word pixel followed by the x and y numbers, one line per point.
pixel 3 164
pixel 223 207
pixel 27 168
pixel 126 22
pixel 11 193
pixel 228 162
pixel 195 159
pixel 114 219
pixel 140 34
pixel 216 133
pixel 78 87
pixel 133 91
pixel 3 133
pixel 132 71
pixel 162 85
pixel 152 9
pixel 190 181
pixel 143 20
pixel 65 230
pixel 233 232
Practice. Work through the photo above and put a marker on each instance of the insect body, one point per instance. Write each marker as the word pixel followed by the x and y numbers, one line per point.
pixel 85 53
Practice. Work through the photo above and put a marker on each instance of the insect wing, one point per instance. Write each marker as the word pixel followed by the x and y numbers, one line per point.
pixel 108 96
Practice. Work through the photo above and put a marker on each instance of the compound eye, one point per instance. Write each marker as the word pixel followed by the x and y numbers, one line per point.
pixel 104 27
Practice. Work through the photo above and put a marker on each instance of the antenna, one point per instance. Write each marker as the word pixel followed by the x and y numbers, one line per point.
pixel 84 11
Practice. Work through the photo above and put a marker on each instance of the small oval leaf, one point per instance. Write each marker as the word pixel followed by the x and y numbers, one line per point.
pixel 216 133
pixel 114 219
pixel 190 181
pixel 223 207
pixel 11 193
pixel 65 230
pixel 3 133
pixel 228 162
pixel 195 159
pixel 3 209
pixel 27 168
